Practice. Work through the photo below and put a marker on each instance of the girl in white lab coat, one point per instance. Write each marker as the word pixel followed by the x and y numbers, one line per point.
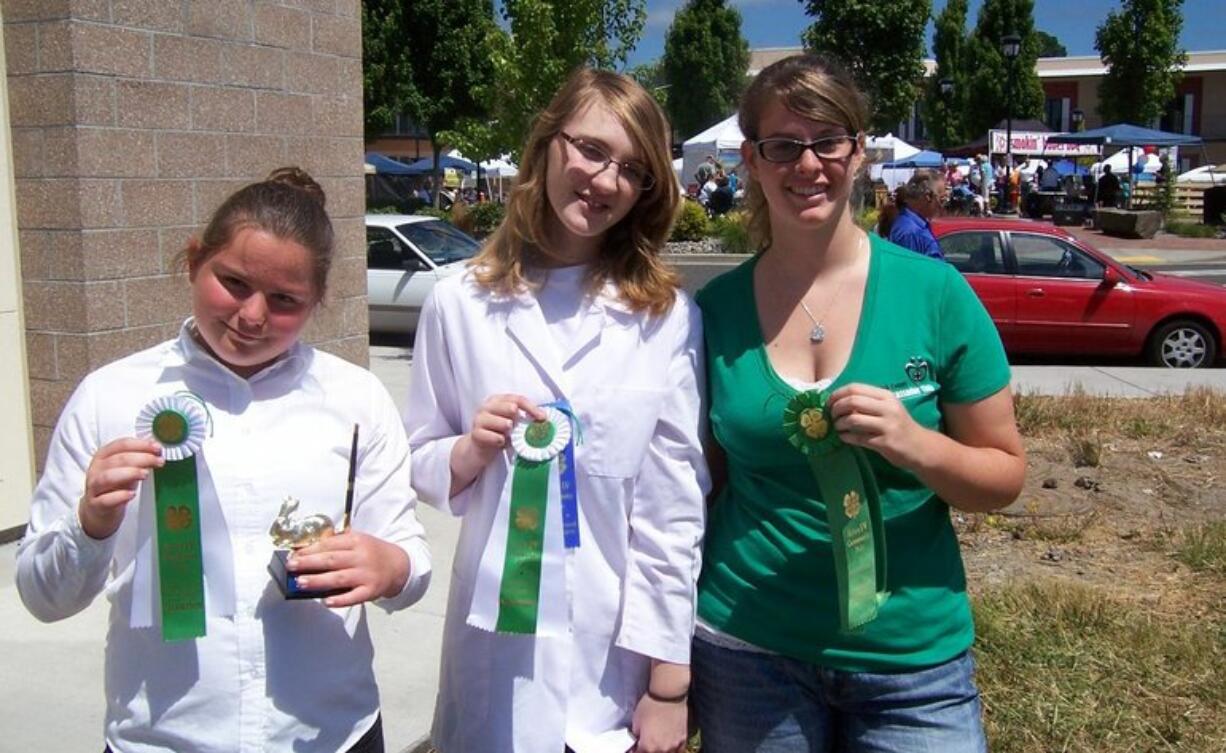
pixel 569 306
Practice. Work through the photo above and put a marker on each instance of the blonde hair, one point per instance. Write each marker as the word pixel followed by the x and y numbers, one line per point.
pixel 813 87
pixel 630 251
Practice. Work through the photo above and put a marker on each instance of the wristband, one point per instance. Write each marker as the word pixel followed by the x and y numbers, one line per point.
pixel 668 698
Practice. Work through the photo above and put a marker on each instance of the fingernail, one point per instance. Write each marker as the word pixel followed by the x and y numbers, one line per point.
pixel 304 582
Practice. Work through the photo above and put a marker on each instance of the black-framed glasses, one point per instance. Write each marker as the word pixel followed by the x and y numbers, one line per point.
pixel 633 172
pixel 790 150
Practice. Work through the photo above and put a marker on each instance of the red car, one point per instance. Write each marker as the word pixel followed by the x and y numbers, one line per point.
pixel 1050 294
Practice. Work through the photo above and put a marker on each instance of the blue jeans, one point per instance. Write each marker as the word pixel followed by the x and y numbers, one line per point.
pixel 746 702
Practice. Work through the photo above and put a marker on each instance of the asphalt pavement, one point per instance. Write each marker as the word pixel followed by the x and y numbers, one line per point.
pixel 51 693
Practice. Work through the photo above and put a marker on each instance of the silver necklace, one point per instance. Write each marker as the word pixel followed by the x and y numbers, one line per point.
pixel 817 335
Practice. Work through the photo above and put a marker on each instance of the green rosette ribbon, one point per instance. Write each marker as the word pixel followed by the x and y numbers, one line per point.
pixel 853 507
pixel 536 444
pixel 178 424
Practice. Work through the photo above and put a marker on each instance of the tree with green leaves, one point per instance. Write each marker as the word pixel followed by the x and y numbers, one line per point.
pixel 1049 46
pixel 423 58
pixel 945 112
pixel 705 60
pixel 988 95
pixel 881 42
pixel 547 39
pixel 1140 47
pixel 650 76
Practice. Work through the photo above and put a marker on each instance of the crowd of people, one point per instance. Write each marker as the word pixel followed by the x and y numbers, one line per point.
pixel 742 526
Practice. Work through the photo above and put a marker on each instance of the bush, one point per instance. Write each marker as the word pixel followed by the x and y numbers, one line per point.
pixel 389 209
pixel 429 211
pixel 1187 229
pixel 867 219
pixel 692 223
pixel 485 217
pixel 732 229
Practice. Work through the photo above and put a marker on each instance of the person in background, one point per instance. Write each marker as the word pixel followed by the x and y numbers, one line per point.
pixel 268 418
pixel 905 222
pixel 1108 192
pixel 720 202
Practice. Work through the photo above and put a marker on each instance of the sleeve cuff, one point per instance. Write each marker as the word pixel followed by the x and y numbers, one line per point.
pixel 419 577
pixel 432 476
pixel 89 551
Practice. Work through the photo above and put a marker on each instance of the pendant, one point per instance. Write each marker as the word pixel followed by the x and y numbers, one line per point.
pixel 817 334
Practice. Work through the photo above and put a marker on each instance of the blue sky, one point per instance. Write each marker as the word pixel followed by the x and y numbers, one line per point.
pixel 778 23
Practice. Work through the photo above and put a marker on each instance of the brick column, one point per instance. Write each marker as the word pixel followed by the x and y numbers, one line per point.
pixel 131 121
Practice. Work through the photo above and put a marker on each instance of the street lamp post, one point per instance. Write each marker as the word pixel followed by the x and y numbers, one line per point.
pixel 1010 45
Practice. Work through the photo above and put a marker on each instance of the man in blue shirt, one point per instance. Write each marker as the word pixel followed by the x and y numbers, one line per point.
pixel 918 200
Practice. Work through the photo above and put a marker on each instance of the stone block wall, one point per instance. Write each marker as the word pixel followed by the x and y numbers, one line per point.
pixel 131 121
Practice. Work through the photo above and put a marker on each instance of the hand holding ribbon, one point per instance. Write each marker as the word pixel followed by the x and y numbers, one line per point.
pixel 873 418
pixel 490 435
pixel 110 483
pixel 853 506
pixel 369 567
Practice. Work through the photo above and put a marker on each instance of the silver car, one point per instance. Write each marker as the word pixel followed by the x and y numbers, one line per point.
pixel 405 255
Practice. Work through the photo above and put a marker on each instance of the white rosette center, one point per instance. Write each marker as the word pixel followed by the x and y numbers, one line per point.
pixel 541 440
pixel 176 422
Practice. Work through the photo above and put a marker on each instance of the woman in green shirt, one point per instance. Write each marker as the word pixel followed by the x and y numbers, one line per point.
pixel 841 366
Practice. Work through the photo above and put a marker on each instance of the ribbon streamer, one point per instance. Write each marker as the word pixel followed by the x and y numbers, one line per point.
pixel 853 507
pixel 536 444
pixel 178 425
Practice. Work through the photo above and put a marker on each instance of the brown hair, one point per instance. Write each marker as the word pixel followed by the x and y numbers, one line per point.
pixel 288 204
pixel 813 87
pixel 630 252
pixel 922 183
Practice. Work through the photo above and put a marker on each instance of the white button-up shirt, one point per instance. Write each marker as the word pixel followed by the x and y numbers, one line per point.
pixel 635 384
pixel 271 674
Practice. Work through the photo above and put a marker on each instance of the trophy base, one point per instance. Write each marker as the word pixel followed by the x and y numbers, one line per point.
pixel 287 582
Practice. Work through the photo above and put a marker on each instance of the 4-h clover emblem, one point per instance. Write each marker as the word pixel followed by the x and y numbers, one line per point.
pixel 851 504
pixel 917 369
pixel 178 517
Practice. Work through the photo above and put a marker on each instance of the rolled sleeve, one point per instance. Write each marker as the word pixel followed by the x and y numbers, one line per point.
pixel 668 515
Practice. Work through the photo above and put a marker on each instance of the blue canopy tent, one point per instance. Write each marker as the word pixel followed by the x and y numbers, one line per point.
pixel 447 162
pixel 1126 135
pixel 386 165
pixel 1065 167
pixel 924 159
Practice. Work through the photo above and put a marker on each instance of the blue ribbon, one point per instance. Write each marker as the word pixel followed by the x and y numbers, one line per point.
pixel 566 475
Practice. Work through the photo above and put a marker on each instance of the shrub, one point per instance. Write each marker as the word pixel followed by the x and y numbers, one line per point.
pixel 429 211
pixel 692 223
pixel 485 217
pixel 732 229
pixel 867 219
pixel 1191 229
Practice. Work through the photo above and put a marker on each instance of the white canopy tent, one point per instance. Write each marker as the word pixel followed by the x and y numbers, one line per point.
pixel 498 172
pixel 884 149
pixel 721 141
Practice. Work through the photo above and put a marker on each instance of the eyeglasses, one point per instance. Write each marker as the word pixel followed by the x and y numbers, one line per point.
pixel 634 173
pixel 790 150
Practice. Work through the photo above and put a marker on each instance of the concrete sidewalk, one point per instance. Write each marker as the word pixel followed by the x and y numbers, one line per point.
pixel 51 693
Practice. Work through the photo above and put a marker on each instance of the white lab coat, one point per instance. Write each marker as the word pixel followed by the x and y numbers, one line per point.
pixel 635 384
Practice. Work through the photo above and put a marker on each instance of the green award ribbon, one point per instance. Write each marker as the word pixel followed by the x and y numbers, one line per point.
pixel 536 443
pixel 853 507
pixel 178 424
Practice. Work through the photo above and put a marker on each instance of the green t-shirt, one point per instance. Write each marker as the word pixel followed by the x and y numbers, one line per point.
pixel 768 575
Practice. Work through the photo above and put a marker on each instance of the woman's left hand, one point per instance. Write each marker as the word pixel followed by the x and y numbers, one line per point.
pixel 364 566
pixel 874 418
pixel 659 726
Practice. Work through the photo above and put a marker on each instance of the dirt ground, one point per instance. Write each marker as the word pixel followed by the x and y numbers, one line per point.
pixel 1102 508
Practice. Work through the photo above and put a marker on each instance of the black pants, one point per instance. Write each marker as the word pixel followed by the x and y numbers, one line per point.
pixel 371 742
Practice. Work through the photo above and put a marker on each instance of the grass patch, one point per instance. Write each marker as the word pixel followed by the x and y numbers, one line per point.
pixel 1191 229
pixel 1064 667
pixel 1052 529
pixel 1197 413
pixel 1203 548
